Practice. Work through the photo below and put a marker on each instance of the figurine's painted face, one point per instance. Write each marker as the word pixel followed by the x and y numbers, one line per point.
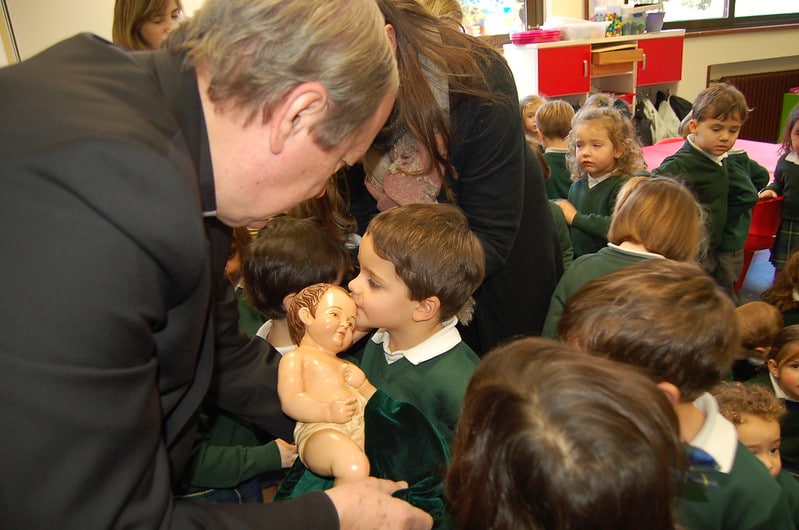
pixel 384 301
pixel 594 149
pixel 762 437
pixel 714 136
pixel 332 325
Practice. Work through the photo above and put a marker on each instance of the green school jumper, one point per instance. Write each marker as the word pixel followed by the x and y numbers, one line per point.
pixel 746 178
pixel 436 386
pixel 589 228
pixel 560 178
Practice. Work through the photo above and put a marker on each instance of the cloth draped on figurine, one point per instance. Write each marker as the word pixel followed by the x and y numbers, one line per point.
pixel 342 420
pixel 324 393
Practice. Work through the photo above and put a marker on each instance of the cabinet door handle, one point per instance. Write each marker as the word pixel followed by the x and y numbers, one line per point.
pixel 585 68
pixel 643 62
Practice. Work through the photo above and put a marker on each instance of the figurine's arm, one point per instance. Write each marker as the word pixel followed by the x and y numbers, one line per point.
pixel 299 404
pixel 356 378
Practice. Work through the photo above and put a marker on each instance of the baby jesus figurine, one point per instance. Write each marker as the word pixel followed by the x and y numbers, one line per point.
pixel 325 394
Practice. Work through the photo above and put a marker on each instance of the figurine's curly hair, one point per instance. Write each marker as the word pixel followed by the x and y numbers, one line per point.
pixel 307 298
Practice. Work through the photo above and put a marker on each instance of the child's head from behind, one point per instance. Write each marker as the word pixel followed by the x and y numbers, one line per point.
pixel 554 119
pixel 288 255
pixel 542 421
pixel 417 258
pixel 759 323
pixel 783 360
pixel 667 317
pixel 790 135
pixel 755 412
pixel 529 106
pixel 659 213
pixel 602 140
pixel 717 115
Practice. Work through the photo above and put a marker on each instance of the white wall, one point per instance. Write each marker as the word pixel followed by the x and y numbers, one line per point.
pixel 40 23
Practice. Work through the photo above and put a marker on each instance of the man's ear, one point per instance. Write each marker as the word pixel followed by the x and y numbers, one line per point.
pixel 305 316
pixel 426 309
pixel 672 392
pixel 773 369
pixel 302 108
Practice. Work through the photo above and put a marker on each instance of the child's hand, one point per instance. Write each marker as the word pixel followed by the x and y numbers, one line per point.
pixel 342 410
pixel 569 211
pixel 288 453
pixel 767 194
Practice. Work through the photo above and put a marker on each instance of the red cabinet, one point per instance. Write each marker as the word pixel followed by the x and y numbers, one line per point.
pixel 565 70
pixel 662 61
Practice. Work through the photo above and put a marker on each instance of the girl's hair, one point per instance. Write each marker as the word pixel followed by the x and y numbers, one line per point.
pixel 621 133
pixel 660 214
pixel 129 15
pixel 532 99
pixel 790 122
pixel 449 11
pixel 736 400
pixel 551 437
pixel 554 118
pixel 424 41
pixel 779 350
pixel 781 291
pixel 258 51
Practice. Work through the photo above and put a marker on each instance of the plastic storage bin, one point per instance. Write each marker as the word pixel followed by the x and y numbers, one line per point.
pixel 576 29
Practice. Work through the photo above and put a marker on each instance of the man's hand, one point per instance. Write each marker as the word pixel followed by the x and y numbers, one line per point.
pixel 368 504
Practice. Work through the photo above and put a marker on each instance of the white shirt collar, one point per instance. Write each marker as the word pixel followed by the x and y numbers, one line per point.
pixel 777 390
pixel 642 253
pixel 556 150
pixel 715 159
pixel 793 157
pixel 594 181
pixel 718 436
pixel 440 342
pixel 263 332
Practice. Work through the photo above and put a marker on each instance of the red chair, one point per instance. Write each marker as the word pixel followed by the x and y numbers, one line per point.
pixel 766 219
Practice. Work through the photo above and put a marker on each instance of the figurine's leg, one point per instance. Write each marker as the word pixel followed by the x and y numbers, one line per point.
pixel 332 453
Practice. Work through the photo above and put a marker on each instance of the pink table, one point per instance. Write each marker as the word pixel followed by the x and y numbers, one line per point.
pixel 763 153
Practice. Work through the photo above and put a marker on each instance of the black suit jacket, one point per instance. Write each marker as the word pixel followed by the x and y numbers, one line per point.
pixel 116 317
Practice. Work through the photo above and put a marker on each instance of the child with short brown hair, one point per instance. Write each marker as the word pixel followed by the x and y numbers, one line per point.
pixel 554 122
pixel 759 323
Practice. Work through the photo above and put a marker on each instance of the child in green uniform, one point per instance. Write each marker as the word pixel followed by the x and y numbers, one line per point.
pixel 604 152
pixel 786 183
pixel 783 380
pixel 419 266
pixel 671 319
pixel 553 438
pixel 784 292
pixel 654 218
pixel 725 185
pixel 554 122
pixel 756 414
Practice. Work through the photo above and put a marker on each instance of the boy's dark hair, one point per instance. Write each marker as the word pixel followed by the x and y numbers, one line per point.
pixel 737 399
pixel 759 323
pixel 288 255
pixel 720 101
pixel 667 317
pixel 433 250
pixel 552 438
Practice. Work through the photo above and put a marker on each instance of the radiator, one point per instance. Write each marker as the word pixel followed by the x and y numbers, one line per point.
pixel 764 94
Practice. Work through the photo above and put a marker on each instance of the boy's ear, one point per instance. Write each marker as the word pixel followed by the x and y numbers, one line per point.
pixel 427 309
pixel 773 369
pixel 672 392
pixel 692 123
pixel 287 300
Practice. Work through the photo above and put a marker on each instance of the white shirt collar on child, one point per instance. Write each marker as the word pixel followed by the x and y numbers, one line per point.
pixel 440 342
pixel 718 436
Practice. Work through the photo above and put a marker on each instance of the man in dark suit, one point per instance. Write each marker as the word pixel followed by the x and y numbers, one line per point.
pixel 120 177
